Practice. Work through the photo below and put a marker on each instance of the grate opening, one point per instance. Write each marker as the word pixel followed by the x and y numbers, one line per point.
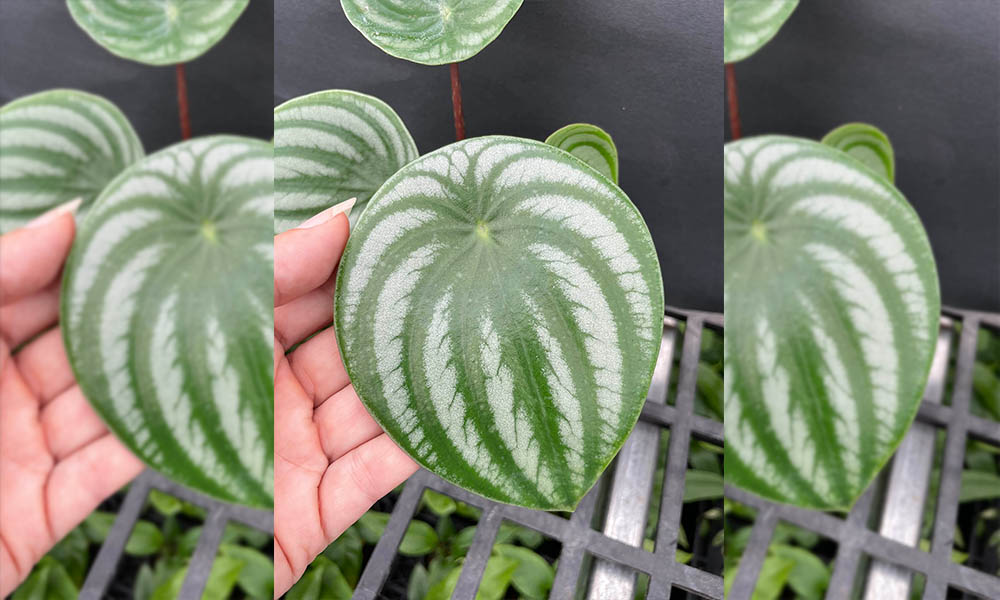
pixel 683 595
pixel 594 585
pixel 700 533
pixel 956 594
pixel 537 555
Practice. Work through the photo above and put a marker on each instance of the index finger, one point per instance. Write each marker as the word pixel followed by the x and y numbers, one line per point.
pixel 32 256
pixel 305 257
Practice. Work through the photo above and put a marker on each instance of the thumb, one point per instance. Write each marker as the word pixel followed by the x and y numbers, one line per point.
pixel 32 256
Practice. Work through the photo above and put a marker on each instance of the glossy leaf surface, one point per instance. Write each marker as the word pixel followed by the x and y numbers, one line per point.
pixel 57 146
pixel 749 24
pixel 156 32
pixel 832 304
pixel 591 144
pixel 333 146
pixel 431 32
pixel 499 307
pixel 866 144
pixel 167 314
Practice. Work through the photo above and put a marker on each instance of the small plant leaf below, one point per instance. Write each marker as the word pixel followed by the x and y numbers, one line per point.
pixel 156 32
pixel 333 146
pixel 166 312
pixel 749 24
pixel 589 143
pixel 499 306
pixel 431 32
pixel 832 302
pixel 866 144
pixel 57 146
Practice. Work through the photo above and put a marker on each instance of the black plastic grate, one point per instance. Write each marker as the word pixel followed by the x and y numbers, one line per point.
pixel 218 514
pixel 576 535
pixel 852 533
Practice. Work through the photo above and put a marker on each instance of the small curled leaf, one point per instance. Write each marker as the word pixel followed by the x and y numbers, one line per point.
pixel 867 144
pixel 589 143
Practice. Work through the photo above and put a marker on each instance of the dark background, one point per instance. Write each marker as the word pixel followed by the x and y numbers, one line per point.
pixel 647 71
pixel 927 72
pixel 229 87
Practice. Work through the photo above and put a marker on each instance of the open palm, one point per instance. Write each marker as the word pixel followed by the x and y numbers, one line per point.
pixel 332 460
pixel 57 459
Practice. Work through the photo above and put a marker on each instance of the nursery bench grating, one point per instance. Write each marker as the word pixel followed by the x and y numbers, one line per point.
pixel 577 536
pixel 218 514
pixel 893 559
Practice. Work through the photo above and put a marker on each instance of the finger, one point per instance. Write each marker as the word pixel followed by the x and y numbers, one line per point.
pixel 297 529
pixel 278 358
pixel 284 572
pixel 295 434
pixel 21 439
pixel 11 574
pixel 305 258
pixel 85 478
pixel 318 367
pixel 352 484
pixel 344 424
pixel 304 316
pixel 70 423
pixel 24 528
pixel 299 464
pixel 44 366
pixel 31 257
pixel 25 318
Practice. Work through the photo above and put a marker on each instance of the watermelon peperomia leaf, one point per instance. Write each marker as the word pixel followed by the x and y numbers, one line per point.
pixel 867 144
pixel 499 307
pixel 166 313
pixel 431 32
pixel 589 143
pixel 156 32
pixel 832 302
pixel 749 24
pixel 57 146
pixel 333 146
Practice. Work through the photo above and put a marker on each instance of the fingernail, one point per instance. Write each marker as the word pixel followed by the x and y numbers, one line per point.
pixel 54 213
pixel 320 218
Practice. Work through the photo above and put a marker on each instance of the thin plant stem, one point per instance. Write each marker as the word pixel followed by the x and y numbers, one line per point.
pixel 735 127
pixel 182 103
pixel 456 103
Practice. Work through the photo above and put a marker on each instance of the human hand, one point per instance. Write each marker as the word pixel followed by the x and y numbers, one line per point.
pixel 57 459
pixel 332 460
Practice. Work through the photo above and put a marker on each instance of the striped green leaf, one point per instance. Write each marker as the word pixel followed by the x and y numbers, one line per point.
pixel 57 146
pixel 431 32
pixel 156 32
pixel 333 146
pixel 499 306
pixel 167 314
pixel 749 24
pixel 591 144
pixel 832 303
pixel 867 144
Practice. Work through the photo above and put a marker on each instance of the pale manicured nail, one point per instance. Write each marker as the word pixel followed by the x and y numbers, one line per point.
pixel 320 218
pixel 54 213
